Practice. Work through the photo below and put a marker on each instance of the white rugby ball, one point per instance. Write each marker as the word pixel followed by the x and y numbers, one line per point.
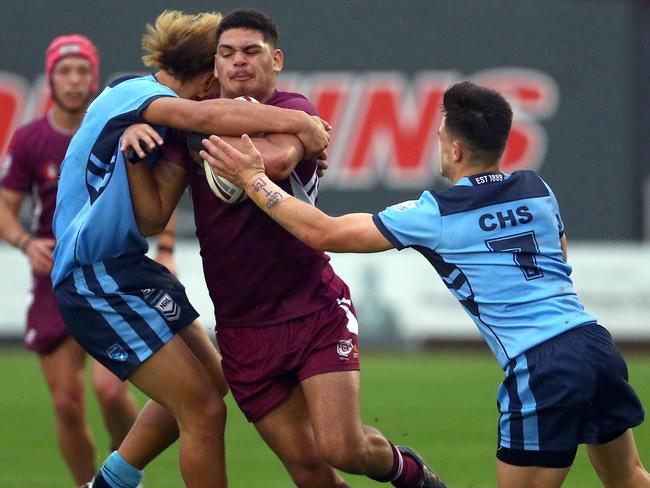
pixel 220 186
pixel 223 188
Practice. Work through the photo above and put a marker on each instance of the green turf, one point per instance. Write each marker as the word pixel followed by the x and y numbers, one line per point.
pixel 441 403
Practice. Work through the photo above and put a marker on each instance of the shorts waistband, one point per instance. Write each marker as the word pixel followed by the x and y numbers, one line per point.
pixel 566 333
pixel 109 266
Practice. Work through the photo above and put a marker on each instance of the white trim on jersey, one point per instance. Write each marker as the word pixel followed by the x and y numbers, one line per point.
pixel 308 192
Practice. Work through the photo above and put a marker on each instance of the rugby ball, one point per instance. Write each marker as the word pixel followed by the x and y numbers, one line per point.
pixel 223 188
pixel 220 186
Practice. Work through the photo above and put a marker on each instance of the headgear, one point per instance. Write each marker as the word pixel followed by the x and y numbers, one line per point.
pixel 72 45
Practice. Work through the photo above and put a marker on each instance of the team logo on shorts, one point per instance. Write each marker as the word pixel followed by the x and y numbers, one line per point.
pixel 116 353
pixel 167 306
pixel 345 348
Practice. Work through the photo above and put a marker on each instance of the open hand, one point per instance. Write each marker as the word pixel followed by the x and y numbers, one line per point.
pixel 236 166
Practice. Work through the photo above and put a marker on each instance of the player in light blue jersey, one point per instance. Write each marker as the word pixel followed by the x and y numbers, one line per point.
pixel 127 311
pixel 497 241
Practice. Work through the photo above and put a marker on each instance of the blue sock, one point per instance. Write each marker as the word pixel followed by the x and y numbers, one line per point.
pixel 117 473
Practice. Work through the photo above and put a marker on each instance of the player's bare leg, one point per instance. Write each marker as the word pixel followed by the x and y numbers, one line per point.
pixel 288 432
pixel 618 464
pixel 156 428
pixel 346 444
pixel 117 404
pixel 509 476
pixel 189 393
pixel 198 341
pixel 64 372
pixel 333 402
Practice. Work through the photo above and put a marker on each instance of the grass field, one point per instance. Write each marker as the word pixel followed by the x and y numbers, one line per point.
pixel 441 403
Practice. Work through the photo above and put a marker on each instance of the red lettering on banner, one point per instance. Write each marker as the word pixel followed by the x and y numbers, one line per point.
pixel 532 91
pixel 12 100
pixel 533 95
pixel 526 147
pixel 395 128
pixel 330 93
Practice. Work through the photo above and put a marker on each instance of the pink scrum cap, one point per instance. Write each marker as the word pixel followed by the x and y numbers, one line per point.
pixel 72 45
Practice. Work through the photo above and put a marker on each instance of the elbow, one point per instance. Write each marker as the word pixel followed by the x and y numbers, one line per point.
pixel 151 227
pixel 279 166
pixel 278 171
pixel 322 237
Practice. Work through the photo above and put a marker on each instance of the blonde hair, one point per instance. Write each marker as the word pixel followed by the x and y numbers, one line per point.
pixel 182 44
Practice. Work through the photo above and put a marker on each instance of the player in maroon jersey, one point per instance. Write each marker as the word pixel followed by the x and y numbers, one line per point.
pixel 32 167
pixel 286 326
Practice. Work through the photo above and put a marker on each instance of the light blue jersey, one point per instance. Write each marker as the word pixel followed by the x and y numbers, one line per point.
pixel 494 239
pixel 94 217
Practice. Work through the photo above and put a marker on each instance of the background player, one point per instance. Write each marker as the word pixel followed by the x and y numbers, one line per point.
pixel 291 359
pixel 565 382
pixel 32 167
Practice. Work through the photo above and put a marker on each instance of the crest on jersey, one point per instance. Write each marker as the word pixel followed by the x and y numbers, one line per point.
pixel 117 353
pixel 51 170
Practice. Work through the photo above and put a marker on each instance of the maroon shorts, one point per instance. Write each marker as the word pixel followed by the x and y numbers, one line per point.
pixel 45 329
pixel 264 364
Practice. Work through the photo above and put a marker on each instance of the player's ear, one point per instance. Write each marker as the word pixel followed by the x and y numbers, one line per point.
pixel 209 85
pixel 458 151
pixel 278 60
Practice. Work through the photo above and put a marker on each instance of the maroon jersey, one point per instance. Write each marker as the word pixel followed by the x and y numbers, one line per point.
pixel 32 166
pixel 256 272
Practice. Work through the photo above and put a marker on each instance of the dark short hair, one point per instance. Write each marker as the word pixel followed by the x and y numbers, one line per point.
pixel 479 116
pixel 249 18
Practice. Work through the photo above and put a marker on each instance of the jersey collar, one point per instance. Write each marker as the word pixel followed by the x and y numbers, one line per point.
pixel 479 179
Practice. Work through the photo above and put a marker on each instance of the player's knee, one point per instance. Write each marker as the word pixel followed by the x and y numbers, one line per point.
pixel 349 457
pixel 68 406
pixel 204 413
pixel 307 472
pixel 635 477
pixel 112 395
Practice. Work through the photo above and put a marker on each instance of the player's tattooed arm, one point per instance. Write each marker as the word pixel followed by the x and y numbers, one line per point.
pixel 348 233
pixel 271 197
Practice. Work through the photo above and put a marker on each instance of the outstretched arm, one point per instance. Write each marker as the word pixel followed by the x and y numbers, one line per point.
pixel 155 191
pixel 233 118
pixel 349 233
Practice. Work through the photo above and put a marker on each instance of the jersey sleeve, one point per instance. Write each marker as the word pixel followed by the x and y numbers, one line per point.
pixel 16 169
pixel 556 209
pixel 132 97
pixel 411 223
pixel 175 150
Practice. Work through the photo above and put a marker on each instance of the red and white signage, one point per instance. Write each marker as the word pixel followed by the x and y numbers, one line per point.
pixel 385 124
